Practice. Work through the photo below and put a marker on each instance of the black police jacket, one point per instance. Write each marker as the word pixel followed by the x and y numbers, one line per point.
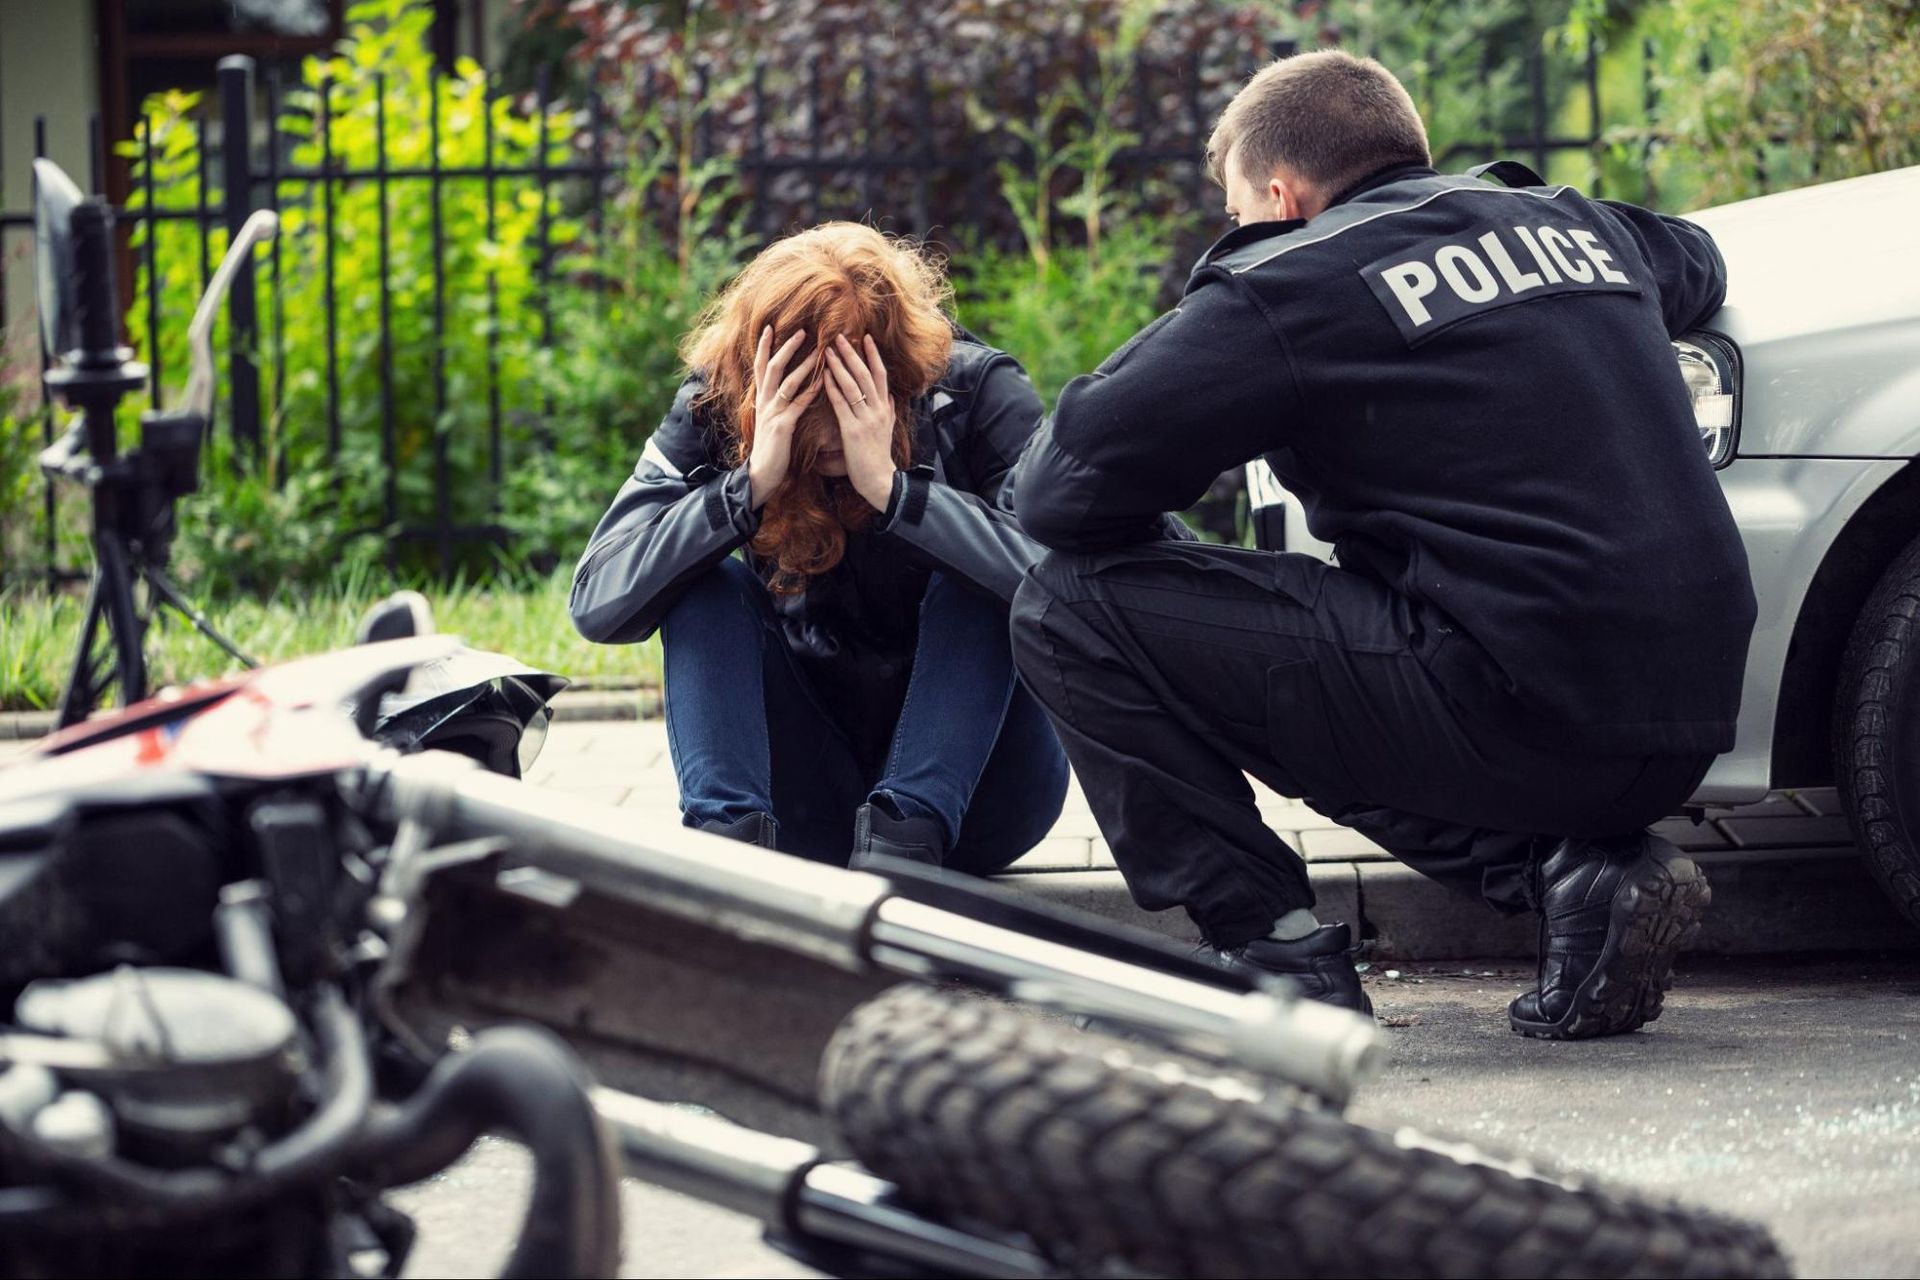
pixel 853 629
pixel 1471 391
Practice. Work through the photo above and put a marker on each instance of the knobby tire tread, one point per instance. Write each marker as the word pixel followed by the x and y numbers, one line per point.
pixel 1102 1151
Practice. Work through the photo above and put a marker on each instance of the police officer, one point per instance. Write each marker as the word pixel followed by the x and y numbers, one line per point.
pixel 1533 643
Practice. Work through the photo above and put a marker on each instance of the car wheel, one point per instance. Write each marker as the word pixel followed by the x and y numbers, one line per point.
pixel 1876 734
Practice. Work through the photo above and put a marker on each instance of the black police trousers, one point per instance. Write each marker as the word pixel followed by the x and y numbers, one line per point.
pixel 1171 670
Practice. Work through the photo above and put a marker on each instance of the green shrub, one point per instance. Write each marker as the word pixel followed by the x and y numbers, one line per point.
pixel 1063 319
pixel 1764 95
pixel 300 508
pixel 632 292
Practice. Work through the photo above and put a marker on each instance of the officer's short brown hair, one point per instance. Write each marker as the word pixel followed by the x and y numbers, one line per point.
pixel 1327 116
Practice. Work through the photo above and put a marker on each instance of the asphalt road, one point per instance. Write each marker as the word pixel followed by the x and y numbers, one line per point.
pixel 1784 1093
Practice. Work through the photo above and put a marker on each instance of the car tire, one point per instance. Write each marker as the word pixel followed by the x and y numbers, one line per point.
pixel 1876 732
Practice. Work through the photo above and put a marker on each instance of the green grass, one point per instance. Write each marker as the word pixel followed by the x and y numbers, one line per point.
pixel 527 620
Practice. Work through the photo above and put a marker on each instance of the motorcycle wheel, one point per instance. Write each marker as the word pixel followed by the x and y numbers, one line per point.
pixel 1876 732
pixel 1108 1154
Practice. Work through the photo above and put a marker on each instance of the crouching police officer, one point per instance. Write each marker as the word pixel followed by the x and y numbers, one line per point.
pixel 1533 644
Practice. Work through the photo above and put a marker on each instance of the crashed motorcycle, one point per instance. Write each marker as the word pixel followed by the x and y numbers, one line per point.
pixel 258 966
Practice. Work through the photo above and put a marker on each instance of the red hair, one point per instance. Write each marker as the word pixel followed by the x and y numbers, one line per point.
pixel 837 278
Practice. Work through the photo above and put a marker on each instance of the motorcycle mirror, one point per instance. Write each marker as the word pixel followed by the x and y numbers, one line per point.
pixel 399 616
pixel 260 226
pixel 54 200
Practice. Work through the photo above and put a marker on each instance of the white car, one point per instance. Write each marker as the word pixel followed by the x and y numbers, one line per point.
pixel 1807 388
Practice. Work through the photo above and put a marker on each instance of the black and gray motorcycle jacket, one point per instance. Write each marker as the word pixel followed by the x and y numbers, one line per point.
pixel 1471 390
pixel 852 629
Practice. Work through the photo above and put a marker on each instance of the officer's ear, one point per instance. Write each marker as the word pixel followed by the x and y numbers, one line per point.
pixel 1292 197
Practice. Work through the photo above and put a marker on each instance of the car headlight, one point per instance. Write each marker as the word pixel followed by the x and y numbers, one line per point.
pixel 1711 368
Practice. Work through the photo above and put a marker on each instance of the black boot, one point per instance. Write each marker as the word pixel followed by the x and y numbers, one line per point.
pixel 878 834
pixel 1320 965
pixel 1613 915
pixel 755 828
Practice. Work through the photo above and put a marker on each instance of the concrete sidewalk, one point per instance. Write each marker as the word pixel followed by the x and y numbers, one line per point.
pixel 1785 875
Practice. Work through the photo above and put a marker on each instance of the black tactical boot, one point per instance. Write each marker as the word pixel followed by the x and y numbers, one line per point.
pixel 755 828
pixel 1613 915
pixel 1320 964
pixel 878 834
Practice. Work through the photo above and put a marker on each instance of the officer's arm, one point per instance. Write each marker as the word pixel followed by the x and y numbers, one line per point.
pixel 1687 266
pixel 1203 388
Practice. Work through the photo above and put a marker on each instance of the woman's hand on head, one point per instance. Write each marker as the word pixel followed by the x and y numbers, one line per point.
pixel 856 384
pixel 780 396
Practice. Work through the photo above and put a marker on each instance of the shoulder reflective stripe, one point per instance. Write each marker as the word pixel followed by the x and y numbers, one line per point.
pixel 657 456
pixel 1480 189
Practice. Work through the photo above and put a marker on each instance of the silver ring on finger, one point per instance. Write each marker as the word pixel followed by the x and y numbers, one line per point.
pixel 861 400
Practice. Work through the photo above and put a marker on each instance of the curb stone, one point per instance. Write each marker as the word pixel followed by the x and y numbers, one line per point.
pixel 1764 903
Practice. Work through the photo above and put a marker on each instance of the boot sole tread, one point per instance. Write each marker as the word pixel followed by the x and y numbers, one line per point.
pixel 1654 918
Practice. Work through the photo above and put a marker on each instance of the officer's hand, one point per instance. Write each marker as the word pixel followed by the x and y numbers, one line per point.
pixel 778 402
pixel 856 385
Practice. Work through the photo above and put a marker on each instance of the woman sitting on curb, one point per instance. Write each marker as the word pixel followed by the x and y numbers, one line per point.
pixel 846 687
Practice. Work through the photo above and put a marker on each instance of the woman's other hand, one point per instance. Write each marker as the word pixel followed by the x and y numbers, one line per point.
pixel 778 402
pixel 856 385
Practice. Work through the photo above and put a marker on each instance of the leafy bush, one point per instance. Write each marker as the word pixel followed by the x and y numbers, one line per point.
pixel 1764 95
pixel 949 78
pixel 632 290
pixel 1073 313
pixel 303 505
pixel 22 528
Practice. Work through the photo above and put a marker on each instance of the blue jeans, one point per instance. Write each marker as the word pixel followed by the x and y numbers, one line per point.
pixel 971 750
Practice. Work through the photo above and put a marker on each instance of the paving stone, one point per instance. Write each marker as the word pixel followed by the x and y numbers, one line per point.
pixel 1099 853
pixel 1820 800
pixel 1777 805
pixel 1055 853
pixel 1080 824
pixel 1341 844
pixel 1293 816
pixel 598 794
pixel 1690 835
pixel 1801 832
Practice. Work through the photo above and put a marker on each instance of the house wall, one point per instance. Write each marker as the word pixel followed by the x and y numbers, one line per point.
pixel 49 67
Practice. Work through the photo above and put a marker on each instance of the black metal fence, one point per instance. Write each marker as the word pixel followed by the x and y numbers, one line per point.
pixel 783 185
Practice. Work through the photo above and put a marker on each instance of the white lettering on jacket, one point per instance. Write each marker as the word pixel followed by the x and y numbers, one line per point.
pixel 1433 285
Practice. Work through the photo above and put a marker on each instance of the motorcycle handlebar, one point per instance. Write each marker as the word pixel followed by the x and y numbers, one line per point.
pixel 67 456
pixel 262 226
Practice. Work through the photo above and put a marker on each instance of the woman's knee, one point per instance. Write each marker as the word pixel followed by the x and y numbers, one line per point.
pixel 729 594
pixel 1020 801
